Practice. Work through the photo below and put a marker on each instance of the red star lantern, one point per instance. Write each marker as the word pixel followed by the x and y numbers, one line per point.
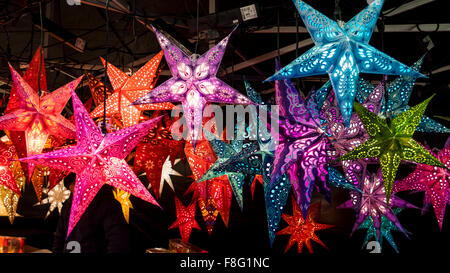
pixel 96 86
pixel 153 150
pixel 302 230
pixel 185 219
pixel 7 153
pixel 97 160
pixel 37 116
pixel 128 89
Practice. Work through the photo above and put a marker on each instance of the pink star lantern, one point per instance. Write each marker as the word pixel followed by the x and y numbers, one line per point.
pixel 128 89
pixel 193 83
pixel 434 181
pixel 7 152
pixel 97 160
pixel 37 116
pixel 185 219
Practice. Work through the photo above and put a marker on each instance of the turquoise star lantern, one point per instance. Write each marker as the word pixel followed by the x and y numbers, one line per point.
pixel 342 51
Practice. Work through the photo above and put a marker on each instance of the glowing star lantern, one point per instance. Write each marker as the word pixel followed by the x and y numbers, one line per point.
pixel 434 181
pixel 97 160
pixel 345 139
pixel 166 172
pixel 38 117
pixel 342 51
pixel 128 89
pixel 185 219
pixel 153 150
pixel 7 180
pixel 302 229
pixel 97 89
pixel 393 143
pixel 370 201
pixel 399 92
pixel 56 197
pixel 214 195
pixel 123 198
pixel 193 83
pixel 303 144
pixel 386 227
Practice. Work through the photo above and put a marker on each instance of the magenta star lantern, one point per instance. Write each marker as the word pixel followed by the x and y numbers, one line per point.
pixel 97 160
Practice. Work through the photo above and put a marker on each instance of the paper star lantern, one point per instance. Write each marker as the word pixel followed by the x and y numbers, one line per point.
pixel 97 89
pixel 399 92
pixel 166 172
pixel 123 198
pixel 345 139
pixel 37 116
pixel 56 197
pixel 214 195
pixel 7 153
pixel 193 83
pixel 336 179
pixel 302 230
pixel 97 160
pixel 392 143
pixel 152 152
pixel 303 144
pixel 370 201
pixel 434 181
pixel 185 219
pixel 386 227
pixel 128 89
pixel 342 51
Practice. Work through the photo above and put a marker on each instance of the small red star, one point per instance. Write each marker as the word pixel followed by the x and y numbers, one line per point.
pixel 185 219
pixel 302 231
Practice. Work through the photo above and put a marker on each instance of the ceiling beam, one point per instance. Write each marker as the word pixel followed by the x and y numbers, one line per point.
pixel 267 56
pixel 408 6
pixel 388 28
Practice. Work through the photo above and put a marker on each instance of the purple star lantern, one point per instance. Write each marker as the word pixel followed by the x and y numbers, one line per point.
pixel 193 83
pixel 303 145
pixel 345 139
pixel 97 160
pixel 371 201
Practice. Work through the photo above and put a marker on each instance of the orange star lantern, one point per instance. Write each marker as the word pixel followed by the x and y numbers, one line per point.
pixel 128 89
pixel 38 117
pixel 302 230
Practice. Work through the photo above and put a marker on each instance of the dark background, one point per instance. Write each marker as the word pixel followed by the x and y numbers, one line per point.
pixel 247 230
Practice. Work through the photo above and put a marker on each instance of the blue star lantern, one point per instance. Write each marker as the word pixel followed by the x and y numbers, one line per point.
pixel 342 51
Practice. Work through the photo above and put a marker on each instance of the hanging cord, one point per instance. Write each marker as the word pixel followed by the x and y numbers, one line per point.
pixel 381 28
pixel 41 50
pixel 134 34
pixel 198 33
pixel 278 33
pixel 104 131
pixel 337 10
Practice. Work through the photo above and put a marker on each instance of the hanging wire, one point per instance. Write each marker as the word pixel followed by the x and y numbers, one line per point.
pixel 41 50
pixel 198 33
pixel 106 68
pixel 297 80
pixel 337 10
pixel 278 33
pixel 381 28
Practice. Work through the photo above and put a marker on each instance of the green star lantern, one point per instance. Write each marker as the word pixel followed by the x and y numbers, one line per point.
pixel 392 143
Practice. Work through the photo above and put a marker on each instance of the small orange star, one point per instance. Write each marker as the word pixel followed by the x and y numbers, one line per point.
pixel 302 230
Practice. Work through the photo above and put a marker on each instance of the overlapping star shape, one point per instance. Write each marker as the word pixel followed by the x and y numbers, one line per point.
pixel 185 219
pixel 371 201
pixel 302 229
pixel 127 89
pixel 386 227
pixel 302 144
pixel 7 180
pixel 97 160
pixel 399 92
pixel 193 83
pixel 345 139
pixel 392 143
pixel 342 51
pixel 38 117
pixel 166 172
pixel 434 181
